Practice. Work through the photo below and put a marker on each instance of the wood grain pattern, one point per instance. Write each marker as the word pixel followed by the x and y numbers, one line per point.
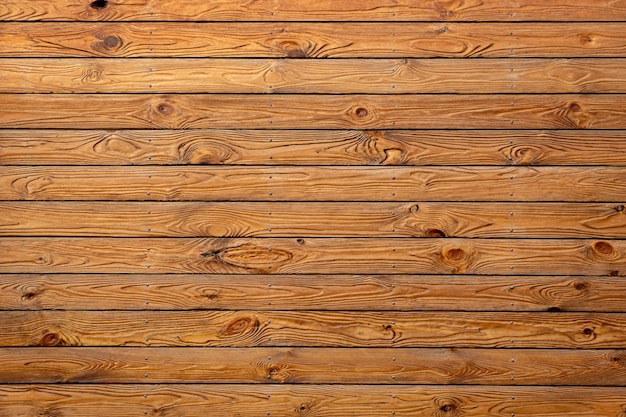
pixel 210 183
pixel 80 400
pixel 340 76
pixel 312 147
pixel 310 219
pixel 377 10
pixel 314 366
pixel 314 255
pixel 319 329
pixel 312 40
pixel 426 111
pixel 320 292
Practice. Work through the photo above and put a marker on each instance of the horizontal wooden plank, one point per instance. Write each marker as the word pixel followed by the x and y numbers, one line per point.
pixel 345 76
pixel 245 219
pixel 86 400
pixel 314 366
pixel 312 40
pixel 312 147
pixel 209 183
pixel 317 328
pixel 429 111
pixel 240 10
pixel 320 292
pixel 314 255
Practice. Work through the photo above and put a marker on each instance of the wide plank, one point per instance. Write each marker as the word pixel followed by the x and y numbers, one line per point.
pixel 312 40
pixel 313 219
pixel 341 76
pixel 309 292
pixel 313 328
pixel 428 111
pixel 314 366
pixel 245 183
pixel 312 147
pixel 189 400
pixel 376 10
pixel 314 255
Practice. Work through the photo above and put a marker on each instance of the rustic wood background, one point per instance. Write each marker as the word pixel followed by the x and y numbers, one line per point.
pixel 313 208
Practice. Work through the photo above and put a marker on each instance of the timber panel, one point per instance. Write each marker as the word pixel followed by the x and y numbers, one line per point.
pixel 288 208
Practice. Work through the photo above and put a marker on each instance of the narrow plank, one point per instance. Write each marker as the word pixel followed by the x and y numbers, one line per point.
pixel 121 111
pixel 320 292
pixel 314 255
pixel 312 147
pixel 312 40
pixel 314 366
pixel 240 10
pixel 313 328
pixel 341 76
pixel 313 219
pixel 210 183
pixel 292 400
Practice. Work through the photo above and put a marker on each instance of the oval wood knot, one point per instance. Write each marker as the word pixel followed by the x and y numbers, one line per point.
pixel 581 286
pixel 603 248
pixel 29 296
pixel 165 109
pixel 619 208
pixel 455 254
pixel 50 339
pixel 99 4
pixel 361 112
pixel 112 42
pixel 574 107
pixel 240 326
pixel 414 208
pixel 588 332
pixel 435 233
pixel 446 408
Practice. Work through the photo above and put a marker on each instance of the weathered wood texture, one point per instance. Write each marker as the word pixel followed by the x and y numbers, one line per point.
pixel 312 147
pixel 312 292
pixel 293 400
pixel 603 367
pixel 345 76
pixel 320 329
pixel 329 219
pixel 314 255
pixel 329 208
pixel 187 111
pixel 313 40
pixel 279 10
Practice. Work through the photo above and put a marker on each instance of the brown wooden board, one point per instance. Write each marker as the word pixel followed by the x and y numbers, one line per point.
pixel 376 10
pixel 314 328
pixel 87 400
pixel 311 219
pixel 509 367
pixel 341 76
pixel 320 292
pixel 407 184
pixel 313 40
pixel 312 147
pixel 314 255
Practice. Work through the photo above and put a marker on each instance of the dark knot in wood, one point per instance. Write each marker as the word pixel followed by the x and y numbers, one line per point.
pixel 165 109
pixel 50 339
pixel 581 286
pixel 99 4
pixel 455 254
pixel 435 233
pixel 604 248
pixel 574 107
pixel 240 326
pixel 361 112
pixel 112 42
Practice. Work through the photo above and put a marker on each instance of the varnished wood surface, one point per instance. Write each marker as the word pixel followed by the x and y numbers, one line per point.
pixel 187 111
pixel 344 76
pixel 311 147
pixel 80 400
pixel 314 255
pixel 259 183
pixel 319 292
pixel 376 10
pixel 330 219
pixel 604 367
pixel 319 329
pixel 312 40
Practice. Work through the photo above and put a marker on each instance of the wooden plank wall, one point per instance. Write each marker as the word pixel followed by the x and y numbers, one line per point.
pixel 313 208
